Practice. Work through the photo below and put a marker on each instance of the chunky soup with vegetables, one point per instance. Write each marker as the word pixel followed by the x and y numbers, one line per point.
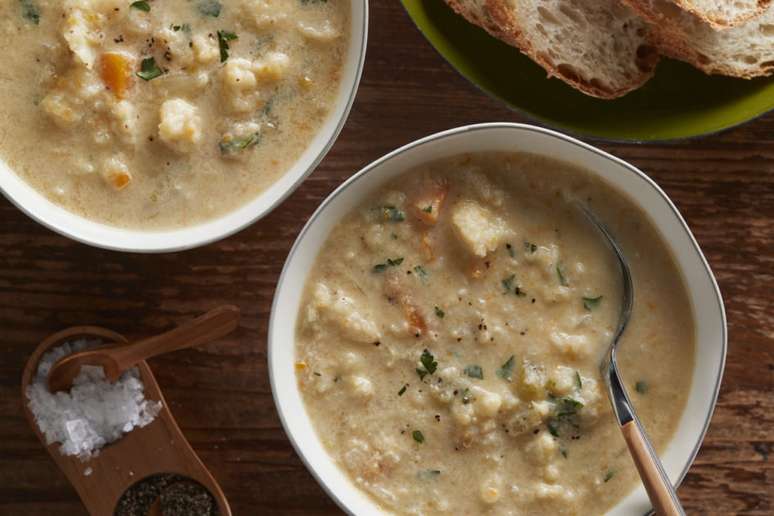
pixel 450 336
pixel 164 113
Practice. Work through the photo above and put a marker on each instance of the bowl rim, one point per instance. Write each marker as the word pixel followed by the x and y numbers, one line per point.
pixel 133 240
pixel 274 314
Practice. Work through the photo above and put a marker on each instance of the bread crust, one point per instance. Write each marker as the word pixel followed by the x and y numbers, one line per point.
pixel 717 22
pixel 670 38
pixel 499 20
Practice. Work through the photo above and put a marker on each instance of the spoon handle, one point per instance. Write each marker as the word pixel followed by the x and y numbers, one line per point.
pixel 211 326
pixel 653 477
pixel 660 491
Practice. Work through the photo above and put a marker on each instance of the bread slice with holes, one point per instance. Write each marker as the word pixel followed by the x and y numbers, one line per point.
pixel 600 47
pixel 745 51
pixel 722 14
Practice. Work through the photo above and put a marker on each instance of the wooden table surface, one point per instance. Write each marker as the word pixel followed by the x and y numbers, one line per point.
pixel 724 186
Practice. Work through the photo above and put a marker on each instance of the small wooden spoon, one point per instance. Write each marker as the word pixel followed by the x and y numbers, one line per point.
pixel 118 358
pixel 157 448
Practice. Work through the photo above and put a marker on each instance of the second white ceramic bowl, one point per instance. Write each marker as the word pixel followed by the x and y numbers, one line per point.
pixel 94 233
pixel 705 297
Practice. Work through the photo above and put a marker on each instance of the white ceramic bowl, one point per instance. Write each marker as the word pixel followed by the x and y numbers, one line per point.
pixel 705 297
pixel 93 233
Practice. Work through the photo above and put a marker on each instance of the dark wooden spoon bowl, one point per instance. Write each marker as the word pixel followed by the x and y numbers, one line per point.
pixel 159 447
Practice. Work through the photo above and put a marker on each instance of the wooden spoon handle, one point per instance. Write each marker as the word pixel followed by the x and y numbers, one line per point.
pixel 211 326
pixel 658 492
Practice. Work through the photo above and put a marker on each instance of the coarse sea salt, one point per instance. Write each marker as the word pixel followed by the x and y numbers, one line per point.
pixel 95 412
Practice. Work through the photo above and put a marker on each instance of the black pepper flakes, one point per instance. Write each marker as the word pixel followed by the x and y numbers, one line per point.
pixel 176 495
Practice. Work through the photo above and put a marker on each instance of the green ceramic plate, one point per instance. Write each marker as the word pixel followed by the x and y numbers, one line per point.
pixel 679 102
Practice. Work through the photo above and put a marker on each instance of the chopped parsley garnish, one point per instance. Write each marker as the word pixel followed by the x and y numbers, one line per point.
pixel 141 6
pixel 428 208
pixel 466 396
pixel 562 278
pixel 508 286
pixel 391 262
pixel 439 313
pixel 507 283
pixel 30 11
pixel 235 145
pixel 420 272
pixel 510 250
pixel 565 412
pixel 392 214
pixel 427 474
pixel 506 370
pixel 641 387
pixel 429 365
pixel 609 475
pixel 474 371
pixel 209 7
pixel 530 247
pixel 223 38
pixel 184 27
pixel 578 381
pixel 590 303
pixel 402 390
pixel 418 436
pixel 567 406
pixel 149 70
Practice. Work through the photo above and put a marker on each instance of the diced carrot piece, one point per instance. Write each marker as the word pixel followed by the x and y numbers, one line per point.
pixel 116 72
pixel 121 180
pixel 427 206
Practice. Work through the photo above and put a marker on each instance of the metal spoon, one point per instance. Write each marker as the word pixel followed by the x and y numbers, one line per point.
pixel 116 359
pixel 660 491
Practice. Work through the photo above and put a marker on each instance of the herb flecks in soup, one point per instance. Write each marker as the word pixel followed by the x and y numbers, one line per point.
pixel 164 113
pixel 450 336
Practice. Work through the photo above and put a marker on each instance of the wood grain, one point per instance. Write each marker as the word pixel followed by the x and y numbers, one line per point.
pixel 724 186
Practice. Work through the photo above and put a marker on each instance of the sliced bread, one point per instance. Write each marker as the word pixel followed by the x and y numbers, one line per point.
pixel 722 14
pixel 746 50
pixel 600 47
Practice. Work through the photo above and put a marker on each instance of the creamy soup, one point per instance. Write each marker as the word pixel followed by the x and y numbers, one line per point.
pixel 450 335
pixel 164 113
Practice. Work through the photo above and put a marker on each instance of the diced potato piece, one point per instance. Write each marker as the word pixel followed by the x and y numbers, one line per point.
pixel 57 106
pixel 525 420
pixel 572 344
pixel 479 229
pixel 323 33
pixel 543 448
pixel 80 37
pixel 239 85
pixel 272 68
pixel 176 45
pixel 266 13
pixel 116 173
pixel 339 308
pixel 531 381
pixel 487 403
pixel 490 491
pixel 115 69
pixel 180 127
pixel 205 48
pixel 361 386
pixel 124 120
pixel 563 380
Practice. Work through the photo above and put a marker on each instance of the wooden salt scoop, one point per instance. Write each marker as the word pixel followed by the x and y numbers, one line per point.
pixel 116 359
pixel 158 448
